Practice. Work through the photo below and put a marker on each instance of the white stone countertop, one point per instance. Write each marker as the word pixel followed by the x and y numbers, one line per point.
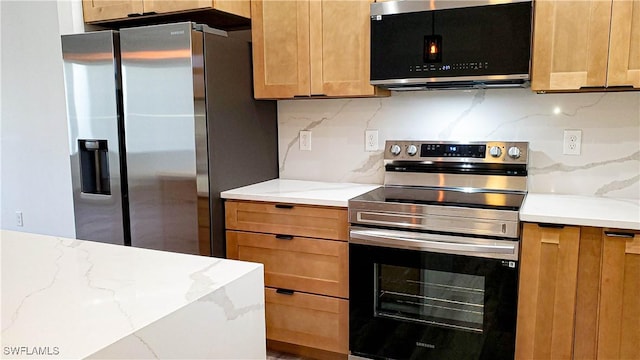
pixel 581 210
pixel 300 192
pixel 547 208
pixel 72 299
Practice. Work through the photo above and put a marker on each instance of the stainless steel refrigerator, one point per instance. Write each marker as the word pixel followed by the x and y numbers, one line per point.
pixel 161 120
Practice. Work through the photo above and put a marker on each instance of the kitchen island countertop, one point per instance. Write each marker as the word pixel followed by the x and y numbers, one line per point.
pixel 72 299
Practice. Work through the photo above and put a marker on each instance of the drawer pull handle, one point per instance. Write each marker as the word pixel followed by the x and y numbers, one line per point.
pixel 284 237
pixel 284 206
pixel 284 291
pixel 551 226
pixel 143 14
pixel 619 234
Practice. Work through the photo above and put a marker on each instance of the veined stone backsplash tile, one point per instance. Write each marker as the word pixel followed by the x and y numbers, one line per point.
pixel 609 164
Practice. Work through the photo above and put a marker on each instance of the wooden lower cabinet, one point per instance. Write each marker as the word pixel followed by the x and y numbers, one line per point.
pixel 314 321
pixel 619 319
pixel 579 293
pixel 296 263
pixel 290 219
pixel 546 298
pixel 305 254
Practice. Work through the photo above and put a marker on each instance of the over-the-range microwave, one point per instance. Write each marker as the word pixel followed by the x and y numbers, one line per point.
pixel 421 44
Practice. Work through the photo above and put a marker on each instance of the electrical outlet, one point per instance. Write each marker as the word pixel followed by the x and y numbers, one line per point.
pixel 305 140
pixel 572 142
pixel 19 218
pixel 371 140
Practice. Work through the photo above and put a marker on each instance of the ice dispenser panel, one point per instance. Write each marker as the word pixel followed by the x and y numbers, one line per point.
pixel 94 166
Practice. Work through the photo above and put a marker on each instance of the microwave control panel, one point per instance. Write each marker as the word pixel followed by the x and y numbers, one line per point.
pixel 467 67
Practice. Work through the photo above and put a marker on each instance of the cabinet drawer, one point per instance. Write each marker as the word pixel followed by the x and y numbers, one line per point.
pixel 288 219
pixel 309 320
pixel 297 263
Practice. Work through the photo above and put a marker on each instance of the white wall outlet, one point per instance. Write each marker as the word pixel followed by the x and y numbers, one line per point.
pixel 572 142
pixel 305 140
pixel 19 218
pixel 371 140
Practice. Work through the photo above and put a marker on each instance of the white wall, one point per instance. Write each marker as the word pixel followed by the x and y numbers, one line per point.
pixel 34 161
pixel 610 122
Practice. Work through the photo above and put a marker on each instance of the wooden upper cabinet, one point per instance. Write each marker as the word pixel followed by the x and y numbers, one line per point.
pixel 619 308
pixel 311 48
pixel 109 10
pixel 585 43
pixel 570 44
pixel 164 6
pixel 342 67
pixel 280 34
pixel 624 48
pixel 96 10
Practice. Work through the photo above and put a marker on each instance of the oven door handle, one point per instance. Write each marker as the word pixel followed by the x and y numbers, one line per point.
pixel 497 249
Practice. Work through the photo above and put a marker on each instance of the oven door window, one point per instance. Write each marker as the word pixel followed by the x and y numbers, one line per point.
pixel 439 298
pixel 406 304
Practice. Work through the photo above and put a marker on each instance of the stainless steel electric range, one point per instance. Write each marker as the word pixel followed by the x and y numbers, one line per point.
pixel 433 255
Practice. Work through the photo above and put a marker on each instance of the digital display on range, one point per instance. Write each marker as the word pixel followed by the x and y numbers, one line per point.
pixel 452 150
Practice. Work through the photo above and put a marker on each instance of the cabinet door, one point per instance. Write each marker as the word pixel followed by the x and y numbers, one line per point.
pixel 96 10
pixel 340 48
pixel 280 34
pixel 546 300
pixel 588 293
pixel 619 316
pixel 624 49
pixel 570 44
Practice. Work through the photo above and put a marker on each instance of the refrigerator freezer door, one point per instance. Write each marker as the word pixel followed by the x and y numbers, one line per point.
pixel 163 91
pixel 91 74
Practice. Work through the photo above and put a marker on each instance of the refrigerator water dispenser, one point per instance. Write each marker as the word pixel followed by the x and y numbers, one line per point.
pixel 94 167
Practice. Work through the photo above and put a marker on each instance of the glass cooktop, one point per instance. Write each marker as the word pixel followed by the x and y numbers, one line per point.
pixel 441 197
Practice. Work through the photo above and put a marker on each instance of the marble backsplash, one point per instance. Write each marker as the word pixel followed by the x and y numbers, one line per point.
pixel 609 164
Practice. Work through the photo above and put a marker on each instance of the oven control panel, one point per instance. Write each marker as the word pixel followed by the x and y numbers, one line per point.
pixel 450 151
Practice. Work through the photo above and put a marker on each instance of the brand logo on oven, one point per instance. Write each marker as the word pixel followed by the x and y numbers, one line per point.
pixel 425 345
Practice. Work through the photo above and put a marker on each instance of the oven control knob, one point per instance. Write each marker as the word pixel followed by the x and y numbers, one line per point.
pixel 495 151
pixel 514 152
pixel 395 149
pixel 412 150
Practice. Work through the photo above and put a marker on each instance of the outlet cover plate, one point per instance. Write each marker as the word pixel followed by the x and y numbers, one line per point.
pixel 572 142
pixel 19 220
pixel 371 140
pixel 305 140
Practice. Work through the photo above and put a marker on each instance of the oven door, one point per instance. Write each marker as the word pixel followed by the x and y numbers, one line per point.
pixel 427 296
